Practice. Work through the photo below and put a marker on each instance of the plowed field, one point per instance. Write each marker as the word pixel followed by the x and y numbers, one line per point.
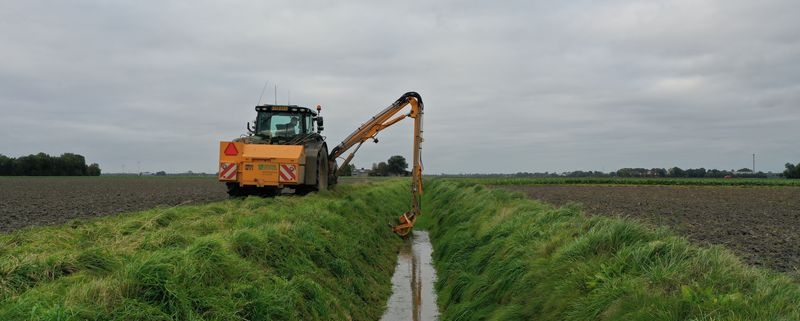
pixel 760 224
pixel 26 201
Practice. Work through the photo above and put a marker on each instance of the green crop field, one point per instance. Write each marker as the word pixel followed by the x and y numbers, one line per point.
pixel 326 256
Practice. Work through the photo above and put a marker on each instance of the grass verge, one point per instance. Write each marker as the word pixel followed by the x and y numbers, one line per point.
pixel 326 256
pixel 500 256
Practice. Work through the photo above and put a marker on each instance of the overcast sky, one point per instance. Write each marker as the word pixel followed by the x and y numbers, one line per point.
pixel 508 86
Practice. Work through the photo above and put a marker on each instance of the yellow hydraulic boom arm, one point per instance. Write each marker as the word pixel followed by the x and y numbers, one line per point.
pixel 371 128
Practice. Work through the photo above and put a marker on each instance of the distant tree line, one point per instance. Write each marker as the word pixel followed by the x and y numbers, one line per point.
pixel 395 166
pixel 677 172
pixel 792 171
pixel 41 164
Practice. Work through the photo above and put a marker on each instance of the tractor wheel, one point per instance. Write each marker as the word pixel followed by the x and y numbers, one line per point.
pixel 322 171
pixel 322 177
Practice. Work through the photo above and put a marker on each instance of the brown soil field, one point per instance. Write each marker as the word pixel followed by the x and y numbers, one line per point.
pixel 760 224
pixel 27 201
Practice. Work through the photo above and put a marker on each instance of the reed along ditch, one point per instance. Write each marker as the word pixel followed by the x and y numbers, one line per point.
pixel 502 256
pixel 325 256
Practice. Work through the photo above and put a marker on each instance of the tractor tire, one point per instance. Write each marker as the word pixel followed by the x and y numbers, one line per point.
pixel 322 171
pixel 322 177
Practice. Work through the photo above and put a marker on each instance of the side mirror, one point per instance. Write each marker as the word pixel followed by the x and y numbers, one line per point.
pixel 250 129
pixel 320 123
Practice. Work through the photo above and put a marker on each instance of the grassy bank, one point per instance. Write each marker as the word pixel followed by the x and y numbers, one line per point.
pixel 631 181
pixel 319 257
pixel 500 256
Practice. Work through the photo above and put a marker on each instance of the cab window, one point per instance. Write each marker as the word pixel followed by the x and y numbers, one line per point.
pixel 279 124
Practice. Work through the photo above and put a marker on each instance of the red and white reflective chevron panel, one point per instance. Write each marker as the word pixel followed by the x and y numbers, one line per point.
pixel 227 171
pixel 288 173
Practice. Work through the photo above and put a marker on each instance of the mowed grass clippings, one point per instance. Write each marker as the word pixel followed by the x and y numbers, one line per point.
pixel 500 256
pixel 326 256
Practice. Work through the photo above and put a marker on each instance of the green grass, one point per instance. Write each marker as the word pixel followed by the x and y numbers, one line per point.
pixel 631 181
pixel 500 256
pixel 326 256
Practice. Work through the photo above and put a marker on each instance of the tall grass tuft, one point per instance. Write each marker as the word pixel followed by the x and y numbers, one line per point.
pixel 500 256
pixel 326 256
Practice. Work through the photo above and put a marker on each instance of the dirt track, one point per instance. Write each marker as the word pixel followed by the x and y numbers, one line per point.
pixel 26 201
pixel 760 224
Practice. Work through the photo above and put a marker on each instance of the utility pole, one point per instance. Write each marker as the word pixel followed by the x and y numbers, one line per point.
pixel 754 162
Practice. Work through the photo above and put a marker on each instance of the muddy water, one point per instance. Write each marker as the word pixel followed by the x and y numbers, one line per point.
pixel 413 297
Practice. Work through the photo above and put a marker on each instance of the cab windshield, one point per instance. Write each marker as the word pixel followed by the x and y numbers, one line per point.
pixel 282 124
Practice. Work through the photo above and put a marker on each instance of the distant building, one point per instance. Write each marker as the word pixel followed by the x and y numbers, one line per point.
pixel 361 172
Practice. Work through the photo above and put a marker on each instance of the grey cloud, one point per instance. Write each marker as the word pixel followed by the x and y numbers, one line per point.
pixel 509 86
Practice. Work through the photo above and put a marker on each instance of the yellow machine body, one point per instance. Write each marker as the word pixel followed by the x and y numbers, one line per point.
pixel 261 165
pixel 289 151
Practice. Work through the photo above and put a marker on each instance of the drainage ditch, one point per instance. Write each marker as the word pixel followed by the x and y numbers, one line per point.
pixel 413 297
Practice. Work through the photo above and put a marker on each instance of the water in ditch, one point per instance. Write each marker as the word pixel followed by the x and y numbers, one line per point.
pixel 413 297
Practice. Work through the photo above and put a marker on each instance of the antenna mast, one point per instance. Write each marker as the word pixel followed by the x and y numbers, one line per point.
pixel 262 92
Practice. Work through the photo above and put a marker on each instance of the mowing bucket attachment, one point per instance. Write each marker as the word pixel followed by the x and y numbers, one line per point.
pixel 407 221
